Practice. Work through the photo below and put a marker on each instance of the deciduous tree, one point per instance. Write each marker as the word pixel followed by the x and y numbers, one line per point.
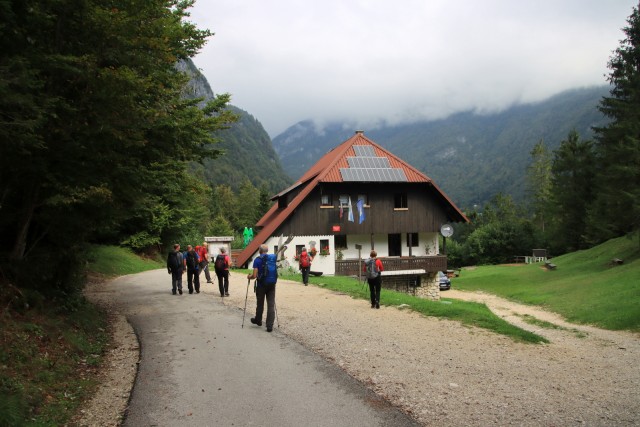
pixel 95 131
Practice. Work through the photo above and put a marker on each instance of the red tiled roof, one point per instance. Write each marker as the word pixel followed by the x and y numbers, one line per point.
pixel 327 169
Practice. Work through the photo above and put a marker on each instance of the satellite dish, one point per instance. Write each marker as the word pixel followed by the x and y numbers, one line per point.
pixel 446 230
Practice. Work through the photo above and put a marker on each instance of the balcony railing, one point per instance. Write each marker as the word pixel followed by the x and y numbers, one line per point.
pixel 430 264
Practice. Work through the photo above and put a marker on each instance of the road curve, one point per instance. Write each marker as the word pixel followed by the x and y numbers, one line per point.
pixel 199 367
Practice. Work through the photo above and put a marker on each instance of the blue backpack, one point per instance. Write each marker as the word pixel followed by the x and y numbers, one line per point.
pixel 269 271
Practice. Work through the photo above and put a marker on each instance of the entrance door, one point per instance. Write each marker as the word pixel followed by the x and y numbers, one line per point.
pixel 395 246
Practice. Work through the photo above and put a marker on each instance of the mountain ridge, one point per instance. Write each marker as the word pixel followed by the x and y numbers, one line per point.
pixel 470 156
pixel 248 151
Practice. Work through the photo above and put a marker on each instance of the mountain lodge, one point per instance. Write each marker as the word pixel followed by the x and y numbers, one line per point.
pixel 356 198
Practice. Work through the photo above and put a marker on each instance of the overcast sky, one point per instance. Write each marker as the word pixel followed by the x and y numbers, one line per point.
pixel 369 60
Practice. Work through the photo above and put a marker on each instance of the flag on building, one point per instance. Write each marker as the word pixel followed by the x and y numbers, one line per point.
pixel 350 217
pixel 360 206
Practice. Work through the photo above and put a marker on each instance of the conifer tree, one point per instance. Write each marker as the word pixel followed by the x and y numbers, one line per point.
pixel 571 193
pixel 539 179
pixel 616 210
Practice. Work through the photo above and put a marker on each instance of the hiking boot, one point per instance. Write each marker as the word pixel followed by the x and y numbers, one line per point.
pixel 226 294
pixel 180 291
pixel 173 292
pixel 269 329
pixel 256 322
pixel 373 306
pixel 377 305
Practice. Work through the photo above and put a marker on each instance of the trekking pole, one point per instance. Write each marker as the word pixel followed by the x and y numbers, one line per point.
pixel 245 302
pixel 275 307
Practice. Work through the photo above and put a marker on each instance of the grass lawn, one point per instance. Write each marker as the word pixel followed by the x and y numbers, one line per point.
pixel 111 261
pixel 468 313
pixel 585 287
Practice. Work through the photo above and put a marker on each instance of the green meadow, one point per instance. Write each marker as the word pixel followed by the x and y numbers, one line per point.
pixel 586 287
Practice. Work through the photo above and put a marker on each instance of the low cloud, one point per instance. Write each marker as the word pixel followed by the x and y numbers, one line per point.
pixel 373 62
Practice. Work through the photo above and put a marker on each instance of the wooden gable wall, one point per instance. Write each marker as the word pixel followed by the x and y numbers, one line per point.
pixel 425 212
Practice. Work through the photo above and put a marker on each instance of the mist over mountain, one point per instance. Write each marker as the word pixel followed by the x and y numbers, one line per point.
pixel 248 151
pixel 470 156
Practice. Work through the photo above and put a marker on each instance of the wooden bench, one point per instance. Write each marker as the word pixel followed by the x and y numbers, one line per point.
pixel 549 266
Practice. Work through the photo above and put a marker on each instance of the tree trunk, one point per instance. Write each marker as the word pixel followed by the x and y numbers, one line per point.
pixel 20 246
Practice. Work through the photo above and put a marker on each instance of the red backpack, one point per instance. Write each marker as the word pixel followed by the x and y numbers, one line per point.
pixel 304 260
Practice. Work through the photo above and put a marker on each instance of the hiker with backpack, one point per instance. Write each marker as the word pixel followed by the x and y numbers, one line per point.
pixel 304 263
pixel 192 261
pixel 203 254
pixel 221 266
pixel 174 265
pixel 372 268
pixel 265 271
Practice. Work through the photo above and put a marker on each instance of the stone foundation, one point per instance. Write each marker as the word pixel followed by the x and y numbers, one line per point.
pixel 429 287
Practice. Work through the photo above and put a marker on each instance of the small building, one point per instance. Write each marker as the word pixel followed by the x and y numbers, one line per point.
pixel 215 243
pixel 360 195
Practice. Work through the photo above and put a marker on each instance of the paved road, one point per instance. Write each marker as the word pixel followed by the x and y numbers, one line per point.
pixel 200 368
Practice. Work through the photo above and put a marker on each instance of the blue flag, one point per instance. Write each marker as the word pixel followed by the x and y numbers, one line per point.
pixel 360 206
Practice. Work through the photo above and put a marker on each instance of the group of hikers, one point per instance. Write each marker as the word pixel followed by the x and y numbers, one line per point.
pixel 265 274
pixel 194 261
pixel 372 269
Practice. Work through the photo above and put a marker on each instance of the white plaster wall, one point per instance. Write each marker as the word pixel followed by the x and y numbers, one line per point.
pixel 428 246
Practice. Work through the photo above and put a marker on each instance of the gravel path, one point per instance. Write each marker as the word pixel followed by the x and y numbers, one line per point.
pixel 447 374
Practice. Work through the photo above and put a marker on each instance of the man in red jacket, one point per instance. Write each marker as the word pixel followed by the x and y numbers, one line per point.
pixel 304 262
pixel 203 254
pixel 221 266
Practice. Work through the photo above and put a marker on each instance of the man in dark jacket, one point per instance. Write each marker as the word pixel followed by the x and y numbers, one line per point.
pixel 193 281
pixel 174 265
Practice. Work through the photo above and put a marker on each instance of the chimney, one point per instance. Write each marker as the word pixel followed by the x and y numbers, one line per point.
pixel 359 132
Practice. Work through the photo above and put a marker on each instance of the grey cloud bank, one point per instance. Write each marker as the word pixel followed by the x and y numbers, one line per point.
pixel 370 61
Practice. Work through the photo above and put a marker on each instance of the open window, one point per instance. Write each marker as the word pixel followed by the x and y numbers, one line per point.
pixel 400 201
pixel 412 240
